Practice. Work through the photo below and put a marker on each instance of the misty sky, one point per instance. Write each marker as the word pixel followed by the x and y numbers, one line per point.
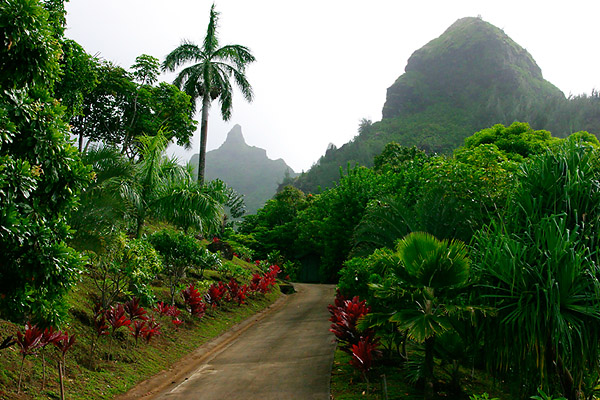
pixel 322 65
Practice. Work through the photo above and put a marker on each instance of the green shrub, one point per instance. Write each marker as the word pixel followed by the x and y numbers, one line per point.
pixel 179 253
pixel 125 267
pixel 230 270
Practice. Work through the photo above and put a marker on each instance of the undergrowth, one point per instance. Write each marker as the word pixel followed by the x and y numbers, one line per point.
pixel 114 369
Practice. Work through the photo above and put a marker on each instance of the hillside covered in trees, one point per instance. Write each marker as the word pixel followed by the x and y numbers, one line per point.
pixel 469 78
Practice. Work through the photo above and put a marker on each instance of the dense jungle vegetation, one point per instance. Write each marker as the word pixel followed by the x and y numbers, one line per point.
pixel 447 265
pixel 494 247
pixel 110 250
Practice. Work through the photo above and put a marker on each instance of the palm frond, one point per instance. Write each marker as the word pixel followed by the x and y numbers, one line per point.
pixel 236 54
pixel 211 42
pixel 184 53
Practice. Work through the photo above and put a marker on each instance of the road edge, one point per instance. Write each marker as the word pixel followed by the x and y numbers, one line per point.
pixel 180 370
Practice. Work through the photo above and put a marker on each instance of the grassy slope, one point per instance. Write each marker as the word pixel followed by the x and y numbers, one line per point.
pixel 129 363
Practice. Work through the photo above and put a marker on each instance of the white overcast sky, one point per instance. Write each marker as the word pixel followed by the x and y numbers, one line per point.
pixel 322 65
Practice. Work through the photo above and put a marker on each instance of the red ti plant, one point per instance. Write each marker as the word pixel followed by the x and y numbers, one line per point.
pixel 193 299
pixel 153 329
pixel 177 322
pixel 99 319
pixel 215 294
pixel 236 292
pixel 344 317
pixel 255 282
pixel 166 309
pixel 116 317
pixel 134 311
pixel 50 336
pixel 29 342
pixel 63 343
pixel 363 354
pixel 138 329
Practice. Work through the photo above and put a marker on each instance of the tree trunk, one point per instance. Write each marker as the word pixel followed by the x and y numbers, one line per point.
pixel 556 365
pixel 203 138
pixel 61 381
pixel 429 345
pixel 139 225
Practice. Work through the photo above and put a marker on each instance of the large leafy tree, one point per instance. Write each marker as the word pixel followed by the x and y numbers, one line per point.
pixel 40 171
pixel 79 77
pixel 208 78
pixel 123 106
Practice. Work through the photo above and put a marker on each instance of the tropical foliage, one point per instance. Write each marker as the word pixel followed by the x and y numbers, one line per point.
pixel 41 172
pixel 396 235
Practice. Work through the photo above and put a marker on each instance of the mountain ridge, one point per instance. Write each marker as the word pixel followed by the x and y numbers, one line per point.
pixel 245 168
pixel 467 79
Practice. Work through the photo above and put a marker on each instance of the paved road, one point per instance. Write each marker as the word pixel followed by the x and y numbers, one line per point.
pixel 287 355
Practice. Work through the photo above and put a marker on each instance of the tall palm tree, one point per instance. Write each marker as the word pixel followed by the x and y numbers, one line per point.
pixel 208 78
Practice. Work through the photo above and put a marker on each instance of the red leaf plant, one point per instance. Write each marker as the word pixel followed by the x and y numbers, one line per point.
pixel 215 294
pixel 138 329
pixel 29 342
pixel 274 270
pixel 363 354
pixel 116 317
pixel 50 336
pixel 235 292
pixel 166 309
pixel 100 320
pixel 344 317
pixel 134 310
pixel 193 300
pixel 101 327
pixel 255 282
pixel 263 283
pixel 153 329
pixel 177 322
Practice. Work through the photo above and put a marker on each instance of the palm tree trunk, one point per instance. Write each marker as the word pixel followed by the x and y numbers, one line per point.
pixel 429 345
pixel 203 138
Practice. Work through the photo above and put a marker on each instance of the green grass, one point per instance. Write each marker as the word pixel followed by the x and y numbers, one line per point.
pixel 127 363
pixel 348 384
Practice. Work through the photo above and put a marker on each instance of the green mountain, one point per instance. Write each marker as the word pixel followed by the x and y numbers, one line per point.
pixel 469 78
pixel 245 168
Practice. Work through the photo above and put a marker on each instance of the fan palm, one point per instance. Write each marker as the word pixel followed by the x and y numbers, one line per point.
pixel 428 269
pixel 208 78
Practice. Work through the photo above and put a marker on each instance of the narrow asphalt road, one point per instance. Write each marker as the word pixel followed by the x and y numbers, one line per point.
pixel 286 355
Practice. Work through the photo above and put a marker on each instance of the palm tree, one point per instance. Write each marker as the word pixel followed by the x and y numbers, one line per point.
pixel 208 78
pixel 427 276
pixel 165 189
pixel 126 193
